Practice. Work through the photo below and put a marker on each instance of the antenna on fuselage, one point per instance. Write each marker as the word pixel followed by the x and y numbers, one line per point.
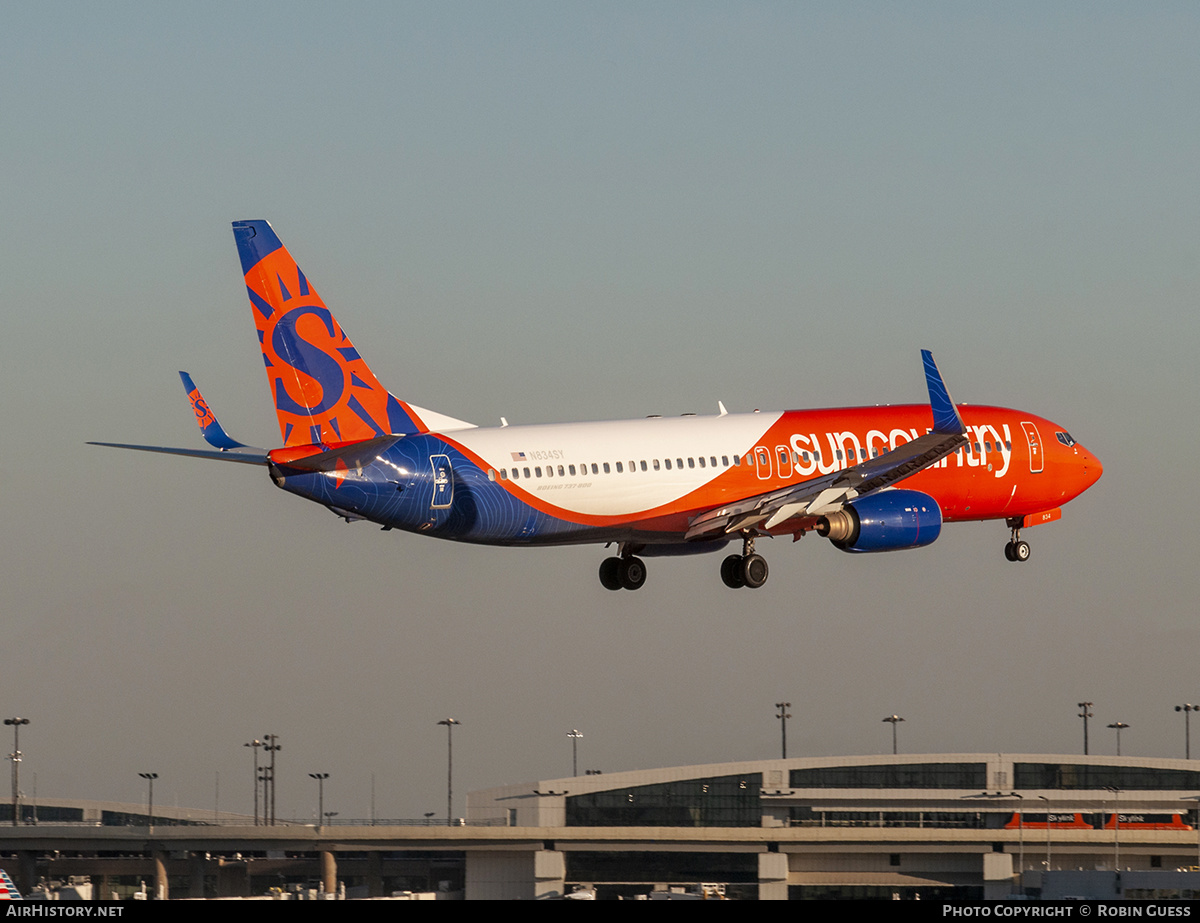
pixel 721 408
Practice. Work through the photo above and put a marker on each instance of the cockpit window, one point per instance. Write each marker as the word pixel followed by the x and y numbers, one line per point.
pixel 1065 439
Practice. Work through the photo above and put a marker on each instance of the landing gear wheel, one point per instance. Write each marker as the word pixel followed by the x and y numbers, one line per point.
pixel 609 575
pixel 754 570
pixel 632 573
pixel 1016 550
pixel 731 572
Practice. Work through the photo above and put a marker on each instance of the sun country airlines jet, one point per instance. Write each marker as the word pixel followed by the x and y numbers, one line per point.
pixel 867 478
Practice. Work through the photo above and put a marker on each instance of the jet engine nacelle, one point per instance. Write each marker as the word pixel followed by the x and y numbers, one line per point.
pixel 890 520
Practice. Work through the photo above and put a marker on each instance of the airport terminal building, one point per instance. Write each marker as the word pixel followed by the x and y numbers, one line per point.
pixel 941 826
pixel 930 826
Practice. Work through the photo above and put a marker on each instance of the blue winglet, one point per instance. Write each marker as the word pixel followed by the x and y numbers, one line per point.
pixel 945 415
pixel 213 434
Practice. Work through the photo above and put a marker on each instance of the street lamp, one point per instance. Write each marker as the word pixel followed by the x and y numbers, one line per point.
pixel 1049 824
pixel 1020 827
pixel 893 720
pixel 256 743
pixel 1085 713
pixel 1116 792
pixel 783 720
pixel 1118 726
pixel 576 735
pixel 16 766
pixel 320 777
pixel 449 724
pixel 1196 798
pixel 150 777
pixel 1187 731
pixel 270 746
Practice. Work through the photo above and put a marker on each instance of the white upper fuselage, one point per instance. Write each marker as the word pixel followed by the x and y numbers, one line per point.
pixel 642 448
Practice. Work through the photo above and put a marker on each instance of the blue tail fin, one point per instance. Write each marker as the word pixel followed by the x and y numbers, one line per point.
pixel 323 389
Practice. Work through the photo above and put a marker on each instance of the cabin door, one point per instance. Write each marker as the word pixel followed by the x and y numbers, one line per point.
pixel 443 482
pixel 1035 447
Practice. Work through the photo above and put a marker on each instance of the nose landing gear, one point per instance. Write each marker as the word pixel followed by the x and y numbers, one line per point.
pixel 1016 549
pixel 747 569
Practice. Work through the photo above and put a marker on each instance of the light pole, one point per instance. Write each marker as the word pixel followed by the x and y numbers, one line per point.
pixel 1187 730
pixel 16 766
pixel 1196 798
pixel 1020 838
pixel 576 735
pixel 256 743
pixel 1020 826
pixel 150 777
pixel 1118 726
pixel 1085 712
pixel 1116 826
pixel 893 720
pixel 270 746
pixel 783 720
pixel 449 723
pixel 320 777
pixel 1049 824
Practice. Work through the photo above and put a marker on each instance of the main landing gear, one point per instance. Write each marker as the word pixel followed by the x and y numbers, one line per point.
pixel 623 573
pixel 745 569
pixel 1016 549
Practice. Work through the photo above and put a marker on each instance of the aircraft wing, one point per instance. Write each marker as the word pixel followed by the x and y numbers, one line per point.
pixel 247 455
pixel 224 448
pixel 830 492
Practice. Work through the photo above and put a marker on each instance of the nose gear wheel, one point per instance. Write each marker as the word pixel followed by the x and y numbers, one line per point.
pixel 1016 549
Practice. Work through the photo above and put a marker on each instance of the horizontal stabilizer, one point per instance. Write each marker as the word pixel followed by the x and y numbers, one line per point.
pixel 324 458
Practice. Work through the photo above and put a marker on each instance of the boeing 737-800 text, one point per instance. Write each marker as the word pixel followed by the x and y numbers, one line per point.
pixel 868 478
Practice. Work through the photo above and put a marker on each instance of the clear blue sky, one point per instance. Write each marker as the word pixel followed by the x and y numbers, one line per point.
pixel 566 211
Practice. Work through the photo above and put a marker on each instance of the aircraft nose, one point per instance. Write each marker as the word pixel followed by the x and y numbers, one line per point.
pixel 1089 467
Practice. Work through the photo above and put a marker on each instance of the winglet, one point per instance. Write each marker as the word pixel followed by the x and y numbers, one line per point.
pixel 946 418
pixel 212 431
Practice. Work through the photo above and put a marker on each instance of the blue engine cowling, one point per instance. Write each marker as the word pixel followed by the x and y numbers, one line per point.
pixel 890 520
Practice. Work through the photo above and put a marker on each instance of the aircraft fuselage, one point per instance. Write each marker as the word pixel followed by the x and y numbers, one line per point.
pixel 645 480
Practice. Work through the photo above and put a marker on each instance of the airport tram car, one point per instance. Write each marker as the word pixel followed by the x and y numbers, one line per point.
pixel 1092 821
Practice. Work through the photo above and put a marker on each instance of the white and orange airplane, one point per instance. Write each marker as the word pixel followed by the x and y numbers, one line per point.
pixel 869 479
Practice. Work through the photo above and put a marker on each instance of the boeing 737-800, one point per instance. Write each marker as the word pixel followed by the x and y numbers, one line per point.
pixel 869 479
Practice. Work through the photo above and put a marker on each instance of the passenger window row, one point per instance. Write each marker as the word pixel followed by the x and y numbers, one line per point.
pixel 621 467
pixel 667 464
